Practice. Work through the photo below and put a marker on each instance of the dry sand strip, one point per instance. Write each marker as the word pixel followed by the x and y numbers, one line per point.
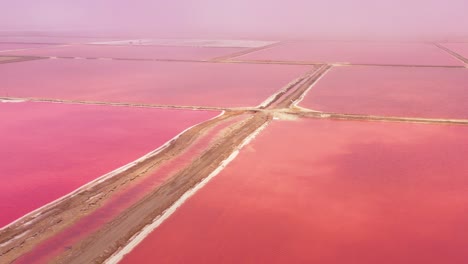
pixel 180 60
pixel 404 65
pixel 139 237
pixel 453 53
pixel 247 51
pixel 194 43
pixel 286 89
pixel 300 112
pixel 3 59
pixel 115 235
pixel 23 235
pixel 338 63
pixel 123 104
pixel 295 95
pixel 9 59
pixel 274 62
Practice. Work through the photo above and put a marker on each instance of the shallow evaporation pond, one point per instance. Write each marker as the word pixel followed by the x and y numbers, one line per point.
pixel 49 150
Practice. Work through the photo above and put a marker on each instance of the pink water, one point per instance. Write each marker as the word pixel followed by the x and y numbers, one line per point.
pixel 126 197
pixel 8 48
pixel 53 39
pixel 48 150
pixel 167 83
pixel 131 52
pixel 392 91
pixel 357 53
pixel 326 192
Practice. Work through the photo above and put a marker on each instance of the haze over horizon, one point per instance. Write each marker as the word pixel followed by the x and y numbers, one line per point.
pixel 411 19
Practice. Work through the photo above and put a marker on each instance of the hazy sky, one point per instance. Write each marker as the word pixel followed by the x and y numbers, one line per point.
pixel 289 18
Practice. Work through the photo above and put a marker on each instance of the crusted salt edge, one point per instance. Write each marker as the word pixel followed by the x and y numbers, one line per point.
pixel 32 48
pixel 11 50
pixel 139 237
pixel 37 212
pixel 117 104
pixel 120 42
pixel 292 83
pixel 213 43
pixel 273 96
pixel 14 238
pixel 298 100
pixel 6 100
